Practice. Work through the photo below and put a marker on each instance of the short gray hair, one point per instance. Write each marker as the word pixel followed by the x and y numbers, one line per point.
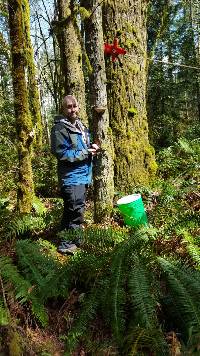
pixel 67 99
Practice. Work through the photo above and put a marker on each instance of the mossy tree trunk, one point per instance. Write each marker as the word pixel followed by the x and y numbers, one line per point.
pixel 23 118
pixel 33 91
pixel 69 39
pixel 195 30
pixel 103 163
pixel 126 87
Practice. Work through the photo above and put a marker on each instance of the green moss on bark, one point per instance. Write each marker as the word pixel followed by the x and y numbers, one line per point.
pixel 71 54
pixel 33 92
pixel 126 85
pixel 23 118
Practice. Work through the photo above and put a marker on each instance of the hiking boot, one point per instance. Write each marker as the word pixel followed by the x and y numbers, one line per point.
pixel 67 247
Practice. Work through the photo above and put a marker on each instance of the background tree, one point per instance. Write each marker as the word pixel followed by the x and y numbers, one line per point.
pixel 23 118
pixel 194 7
pixel 126 87
pixel 69 39
pixel 47 56
pixel 173 84
pixel 33 92
pixel 103 163
pixel 8 151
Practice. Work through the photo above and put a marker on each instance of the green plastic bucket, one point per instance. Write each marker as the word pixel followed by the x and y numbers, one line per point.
pixel 132 210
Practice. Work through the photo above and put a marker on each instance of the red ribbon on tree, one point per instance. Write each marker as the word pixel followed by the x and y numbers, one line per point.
pixel 113 49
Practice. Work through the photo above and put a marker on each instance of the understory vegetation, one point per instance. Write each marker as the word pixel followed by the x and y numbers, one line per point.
pixel 126 292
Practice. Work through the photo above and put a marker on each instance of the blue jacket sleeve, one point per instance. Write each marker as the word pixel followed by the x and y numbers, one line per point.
pixel 61 147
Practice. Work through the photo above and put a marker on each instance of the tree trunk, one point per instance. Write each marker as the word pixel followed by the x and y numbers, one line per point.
pixel 103 163
pixel 33 91
pixel 126 87
pixel 195 24
pixel 23 118
pixel 68 35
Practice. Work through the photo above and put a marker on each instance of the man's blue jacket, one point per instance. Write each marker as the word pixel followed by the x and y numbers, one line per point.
pixel 70 146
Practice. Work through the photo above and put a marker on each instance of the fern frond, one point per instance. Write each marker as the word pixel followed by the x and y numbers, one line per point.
pixel 191 348
pixel 97 240
pixel 39 311
pixel 11 274
pixel 192 248
pixel 85 268
pixel 116 293
pixel 185 146
pixel 189 276
pixel 142 241
pixel 42 269
pixel 105 237
pixel 194 252
pixel 142 297
pixel 24 291
pixel 25 224
pixel 38 206
pixel 145 342
pixel 184 291
pixel 89 309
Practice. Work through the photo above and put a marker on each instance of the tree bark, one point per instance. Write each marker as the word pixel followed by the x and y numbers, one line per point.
pixel 33 91
pixel 126 87
pixel 68 34
pixel 23 118
pixel 195 24
pixel 103 163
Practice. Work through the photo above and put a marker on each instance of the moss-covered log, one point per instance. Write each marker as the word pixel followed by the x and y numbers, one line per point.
pixel 23 118
pixel 103 163
pixel 68 34
pixel 126 87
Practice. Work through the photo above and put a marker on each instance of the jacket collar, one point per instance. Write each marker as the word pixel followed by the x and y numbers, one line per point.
pixel 69 125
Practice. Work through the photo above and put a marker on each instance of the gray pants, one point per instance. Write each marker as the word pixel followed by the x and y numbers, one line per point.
pixel 74 206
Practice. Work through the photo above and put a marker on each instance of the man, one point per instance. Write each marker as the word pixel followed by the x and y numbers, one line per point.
pixel 70 143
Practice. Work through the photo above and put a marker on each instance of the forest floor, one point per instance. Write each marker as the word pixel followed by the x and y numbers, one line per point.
pixel 48 341
pixel 64 288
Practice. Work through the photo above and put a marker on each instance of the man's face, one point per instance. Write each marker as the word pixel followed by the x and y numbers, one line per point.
pixel 70 109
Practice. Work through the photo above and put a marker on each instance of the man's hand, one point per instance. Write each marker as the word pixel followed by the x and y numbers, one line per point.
pixel 94 149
